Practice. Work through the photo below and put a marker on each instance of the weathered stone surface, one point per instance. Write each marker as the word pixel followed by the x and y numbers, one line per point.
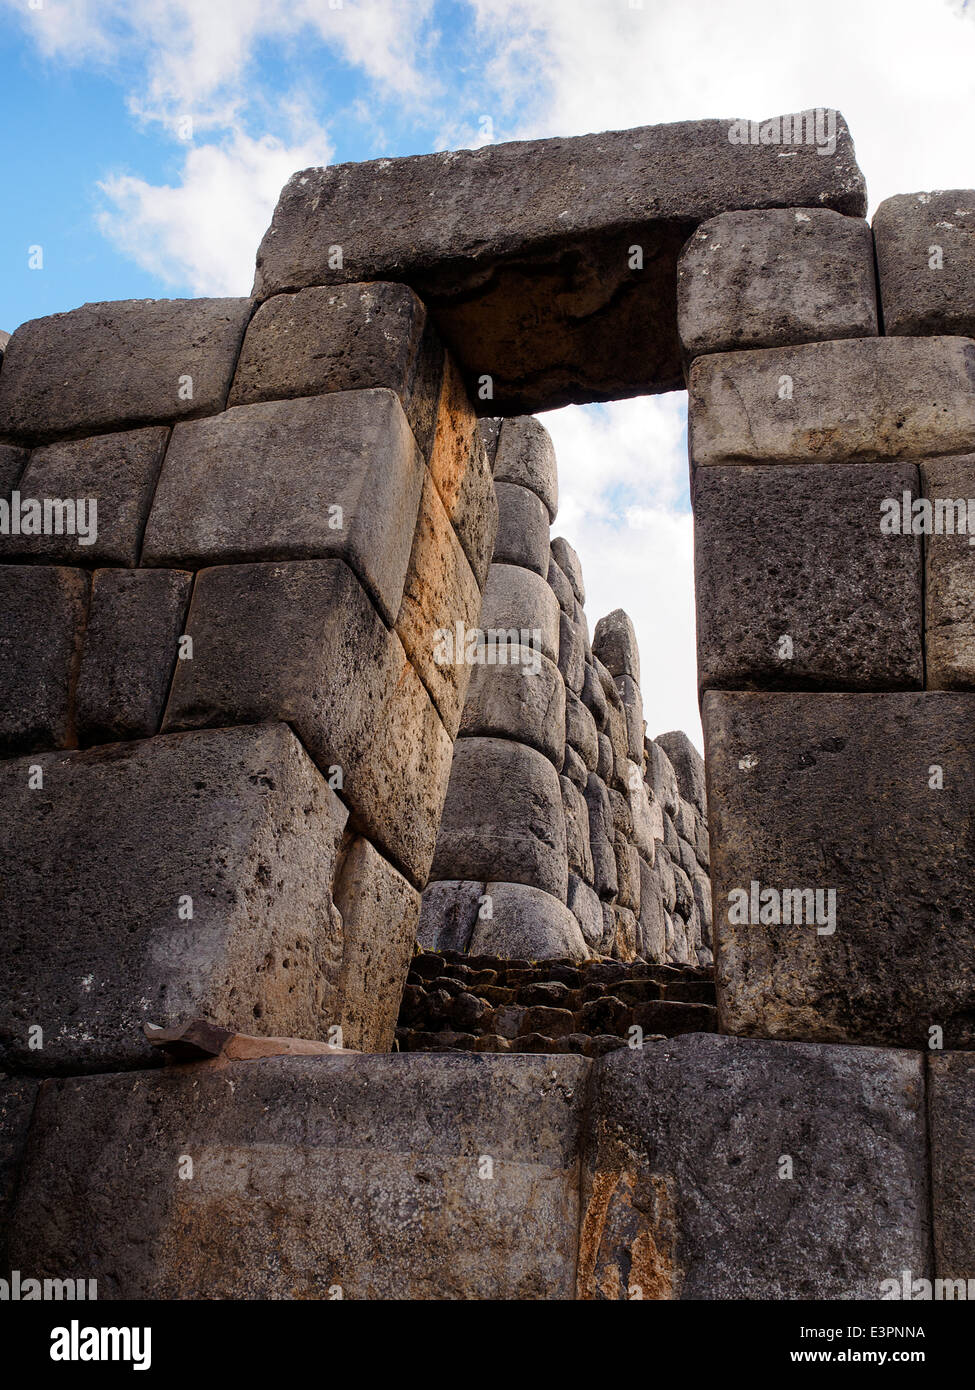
pixel 774 277
pixel 312 1175
pixel 684 1194
pixel 653 932
pixel 524 252
pixel 580 731
pixel 951 1124
pixel 524 700
pixel 796 583
pixel 448 913
pixel 490 431
pixel 574 768
pixel 587 910
pixel 42 617
pixel 344 338
pixel 605 879
pixel 12 464
pixel 461 471
pixel 4 340
pixel 502 819
pixel 522 537
pixel 661 777
pixel 98 868
pixel 614 643
pixel 526 455
pixel 627 874
pixel 127 362
pixel 856 400
pixel 688 768
pixel 440 591
pixel 926 262
pixel 527 922
pixel 17 1096
pixel 572 654
pixel 262 482
pixel 632 699
pixel 593 697
pixel 379 911
pixel 843 793
pixel 116 472
pixel 301 642
pixel 949 591
pixel 134 623
pixel 568 562
pixel 576 829
pixel 517 599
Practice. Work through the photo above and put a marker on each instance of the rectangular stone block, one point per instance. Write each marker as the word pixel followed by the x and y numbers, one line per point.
pixel 951 1121
pixel 949 577
pixel 344 338
pixel 171 878
pixel 92 496
pixel 135 620
pixel 774 277
pixel 42 619
pixel 294 480
pixel 857 400
pixel 797 584
pixel 926 262
pixel 841 864
pixel 725 1168
pixel 122 363
pixel 314 1178
pixel 301 642
pixel 544 233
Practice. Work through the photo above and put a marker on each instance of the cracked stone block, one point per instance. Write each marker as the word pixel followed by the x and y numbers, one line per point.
pixel 866 800
pixel 184 876
pixel 578 238
pixel 502 818
pixel 926 262
pixel 797 583
pixel 121 363
pixel 524 700
pixel 527 923
pixel 301 642
pixel 773 277
pixel 854 401
pixel 951 1121
pixel 42 619
pixel 526 455
pixel 516 599
pixel 344 338
pixel 314 1178
pixel 130 651
pixel 523 523
pixel 727 1168
pixel 448 914
pixel 328 475
pixel 949 584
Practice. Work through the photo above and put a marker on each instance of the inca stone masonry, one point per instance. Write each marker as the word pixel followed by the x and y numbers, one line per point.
pixel 431 963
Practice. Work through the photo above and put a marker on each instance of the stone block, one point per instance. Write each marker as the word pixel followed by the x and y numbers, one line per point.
pixel 641 818
pixel 122 363
pixel 524 700
pixel 580 731
pixel 516 599
pixel 601 835
pixel 314 1177
pixel 688 768
pixel 951 1125
pixel 686 1194
pixel 926 262
pixel 571 566
pixel 522 537
pixel 294 480
pixel 42 618
pixel 854 401
pixel 587 910
pixel 12 464
pixel 799 585
pixel 653 932
pixel 502 818
pixel 593 697
pixel 526 455
pixel 632 698
pixel 490 432
pixel 461 471
pixel 543 235
pixel 576 829
pixel 17 1096
pixel 528 924
pixel 560 586
pixel 116 850
pixel 949 590
pixel 775 277
pixel 614 643
pixel 865 800
pixel 344 338
pixel 379 911
pixel 572 654
pixel 130 651
pixel 574 768
pixel 448 914
pixel 99 492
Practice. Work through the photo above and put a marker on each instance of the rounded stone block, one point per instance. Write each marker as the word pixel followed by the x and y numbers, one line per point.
pixel 526 455
pixel 527 924
pixel 524 700
pixel 523 522
pixel 516 600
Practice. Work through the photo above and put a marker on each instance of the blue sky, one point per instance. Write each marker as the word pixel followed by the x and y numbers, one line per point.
pixel 145 142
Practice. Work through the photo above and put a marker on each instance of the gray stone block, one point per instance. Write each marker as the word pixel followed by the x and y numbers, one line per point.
pixel 516 599
pixel 570 565
pixel 574 768
pixel 593 697
pixel 951 1125
pixel 576 829
pixel 632 698
pixel 135 620
pixel 448 914
pixel 560 586
pixel 523 523
pixel 686 1193
pixel 614 643
pixel 262 482
pixel 926 262
pixel 519 701
pixel 572 654
pixel 12 464
pixel 587 910
pixel 526 455
pixel 661 776
pixel 580 731
pixel 853 401
pixel 949 590
pixel 774 277
pixel 798 586
pixel 344 338
pixel 502 819
pixel 314 1178
pixel 42 618
pixel 114 852
pixel 546 233
pixel 601 835
pixel 865 799
pixel 123 363
pixel 490 432
pixel 688 768
pixel 653 931
pixel 664 869
pixel 527 924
